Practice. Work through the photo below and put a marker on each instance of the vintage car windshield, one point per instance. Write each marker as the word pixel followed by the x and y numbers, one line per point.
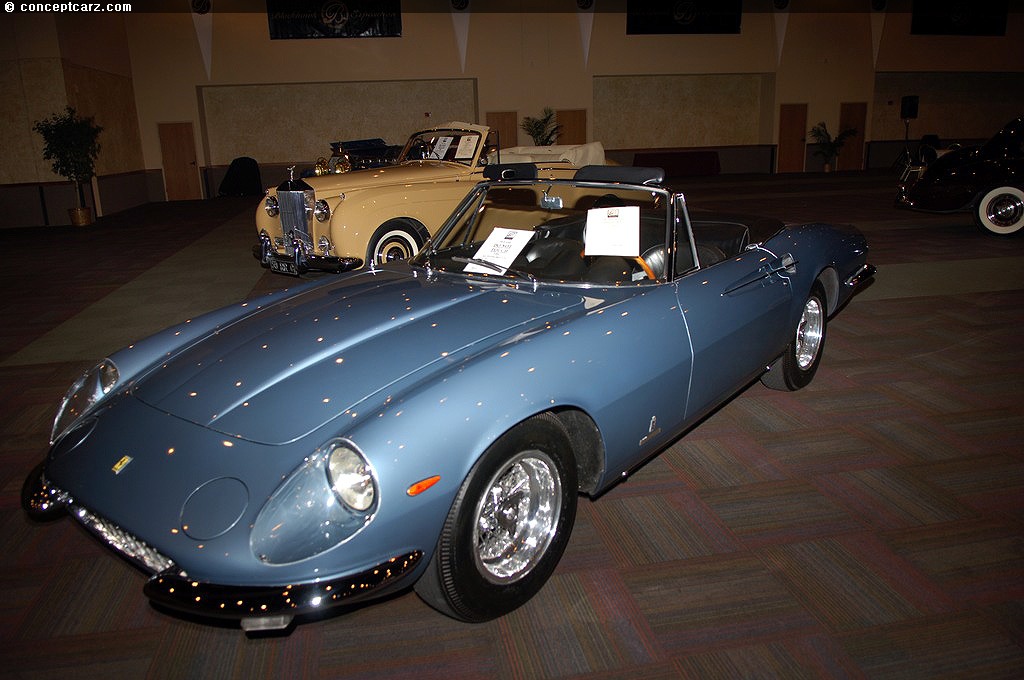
pixel 556 231
pixel 453 146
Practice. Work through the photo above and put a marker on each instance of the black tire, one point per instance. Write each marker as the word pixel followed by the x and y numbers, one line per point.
pixel 483 567
pixel 397 239
pixel 1001 211
pixel 798 364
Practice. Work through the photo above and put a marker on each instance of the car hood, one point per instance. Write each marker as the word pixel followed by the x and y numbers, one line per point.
pixel 292 367
pixel 405 173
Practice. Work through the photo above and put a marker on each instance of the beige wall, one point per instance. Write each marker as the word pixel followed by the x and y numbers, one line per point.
pixel 49 61
pixel 32 79
pixel 681 110
pixel 826 60
pixel 725 88
pixel 241 119
pixel 731 85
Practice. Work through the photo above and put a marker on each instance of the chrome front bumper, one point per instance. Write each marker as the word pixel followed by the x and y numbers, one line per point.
pixel 273 607
pixel 259 607
pixel 301 260
pixel 865 272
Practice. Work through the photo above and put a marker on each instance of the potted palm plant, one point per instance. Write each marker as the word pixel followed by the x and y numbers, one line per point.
pixel 70 141
pixel 543 131
pixel 828 146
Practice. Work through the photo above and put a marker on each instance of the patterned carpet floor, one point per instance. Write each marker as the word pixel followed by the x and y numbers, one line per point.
pixel 868 526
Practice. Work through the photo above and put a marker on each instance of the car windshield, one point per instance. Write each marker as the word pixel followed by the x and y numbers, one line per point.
pixel 454 146
pixel 556 231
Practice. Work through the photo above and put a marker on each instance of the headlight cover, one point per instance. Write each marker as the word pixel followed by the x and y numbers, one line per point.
pixel 271 206
pixel 351 478
pixel 83 395
pixel 325 502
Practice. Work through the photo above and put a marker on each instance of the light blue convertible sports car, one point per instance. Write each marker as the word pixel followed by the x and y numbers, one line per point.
pixel 432 423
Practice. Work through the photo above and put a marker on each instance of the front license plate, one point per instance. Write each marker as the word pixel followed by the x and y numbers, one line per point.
pixel 284 267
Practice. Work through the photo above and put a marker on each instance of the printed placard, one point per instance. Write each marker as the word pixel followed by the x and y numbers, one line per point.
pixel 440 148
pixel 467 145
pixel 613 231
pixel 500 248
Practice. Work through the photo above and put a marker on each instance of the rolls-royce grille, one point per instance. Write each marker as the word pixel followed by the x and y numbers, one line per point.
pixel 296 212
pixel 123 542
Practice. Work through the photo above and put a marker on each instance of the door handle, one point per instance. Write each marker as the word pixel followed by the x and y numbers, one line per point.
pixel 785 263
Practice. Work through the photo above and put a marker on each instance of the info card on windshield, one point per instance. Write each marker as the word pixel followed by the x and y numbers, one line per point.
pixel 613 231
pixel 500 248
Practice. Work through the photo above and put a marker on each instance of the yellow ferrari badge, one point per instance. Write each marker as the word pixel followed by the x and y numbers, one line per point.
pixel 121 464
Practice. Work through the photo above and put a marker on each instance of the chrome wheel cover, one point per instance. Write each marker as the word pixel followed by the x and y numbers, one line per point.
pixel 394 245
pixel 809 333
pixel 1004 211
pixel 517 517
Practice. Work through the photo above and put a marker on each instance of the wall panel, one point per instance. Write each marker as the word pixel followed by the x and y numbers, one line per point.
pixel 951 105
pixel 296 122
pixel 679 110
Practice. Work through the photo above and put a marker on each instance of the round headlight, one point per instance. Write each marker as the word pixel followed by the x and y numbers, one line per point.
pixel 321 211
pixel 83 395
pixel 327 500
pixel 271 206
pixel 350 477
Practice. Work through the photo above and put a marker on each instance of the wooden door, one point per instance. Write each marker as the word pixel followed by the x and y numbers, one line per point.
pixel 507 125
pixel 574 126
pixel 792 138
pixel 852 115
pixel 178 152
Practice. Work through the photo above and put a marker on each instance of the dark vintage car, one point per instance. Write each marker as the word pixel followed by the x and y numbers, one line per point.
pixel 357 154
pixel 431 423
pixel 987 180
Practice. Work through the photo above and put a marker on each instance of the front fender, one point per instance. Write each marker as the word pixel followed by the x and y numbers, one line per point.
pixel 354 220
pixel 587 362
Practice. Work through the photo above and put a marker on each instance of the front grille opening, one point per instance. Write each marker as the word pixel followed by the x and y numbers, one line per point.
pixel 128 545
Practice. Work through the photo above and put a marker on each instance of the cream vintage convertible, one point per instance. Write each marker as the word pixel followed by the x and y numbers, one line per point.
pixel 339 222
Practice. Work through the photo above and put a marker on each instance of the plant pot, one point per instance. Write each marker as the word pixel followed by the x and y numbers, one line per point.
pixel 80 217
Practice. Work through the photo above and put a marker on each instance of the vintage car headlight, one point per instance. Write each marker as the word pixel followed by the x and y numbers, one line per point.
pixel 351 478
pixel 83 394
pixel 271 206
pixel 325 502
pixel 321 211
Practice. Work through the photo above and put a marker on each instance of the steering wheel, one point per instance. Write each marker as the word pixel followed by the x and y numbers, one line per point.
pixel 646 267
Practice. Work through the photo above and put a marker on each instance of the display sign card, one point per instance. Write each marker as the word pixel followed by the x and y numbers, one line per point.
pixel 500 248
pixel 467 145
pixel 440 148
pixel 613 231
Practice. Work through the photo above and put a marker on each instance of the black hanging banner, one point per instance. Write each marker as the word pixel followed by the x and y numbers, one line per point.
pixel 301 19
pixel 653 17
pixel 959 17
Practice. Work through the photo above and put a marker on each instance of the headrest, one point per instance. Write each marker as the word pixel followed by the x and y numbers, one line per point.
pixel 511 171
pixel 619 173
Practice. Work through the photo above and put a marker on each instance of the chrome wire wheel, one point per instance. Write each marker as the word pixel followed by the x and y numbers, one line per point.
pixel 517 518
pixel 809 333
pixel 508 525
